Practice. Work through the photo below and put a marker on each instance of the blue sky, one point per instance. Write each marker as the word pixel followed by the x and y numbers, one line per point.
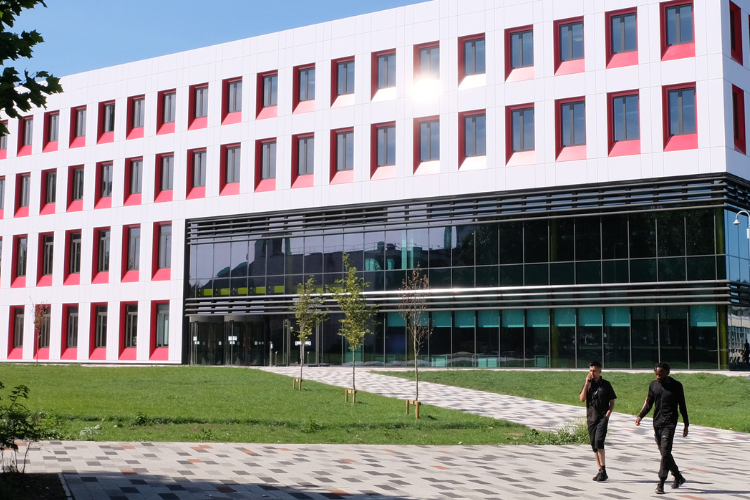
pixel 81 35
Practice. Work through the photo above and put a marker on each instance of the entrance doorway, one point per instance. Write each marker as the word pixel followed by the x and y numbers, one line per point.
pixel 229 340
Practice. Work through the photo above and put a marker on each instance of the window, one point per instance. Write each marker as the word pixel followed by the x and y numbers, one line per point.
pixel 53 127
pixel 386 137
pixel 109 118
pixel 100 328
pixel 21 256
pixel 625 118
pixel 738 118
pixel 2 193
pixel 71 334
pixel 138 112
pixel 4 140
pixel 270 90
pixel 28 131
pixel 48 248
pixel 522 128
pixel 268 160
pixel 103 238
pixel 679 24
pixel 80 123
pixel 345 150
pixel 681 104
pixel 74 266
pixel 18 320
pixel 199 168
pixel 573 124
pixel 386 71
pixel 162 325
pixel 233 164
pixel 624 34
pixel 44 329
pixel 521 49
pixel 234 96
pixel 307 84
pixel 77 191
pixel 735 32
pixel 165 246
pixel 345 78
pixel 305 155
pixel 134 249
pixel 167 172
pixel 25 190
pixel 136 176
pixel 571 41
pixel 429 62
pixel 201 102
pixel 475 135
pixel 429 140
pixel 169 106
pixel 50 189
pixel 131 325
pixel 474 56
pixel 105 186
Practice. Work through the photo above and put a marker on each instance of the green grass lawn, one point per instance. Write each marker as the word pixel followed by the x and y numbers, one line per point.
pixel 236 405
pixel 712 400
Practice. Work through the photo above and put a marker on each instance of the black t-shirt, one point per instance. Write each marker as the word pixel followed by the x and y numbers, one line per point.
pixel 667 398
pixel 597 399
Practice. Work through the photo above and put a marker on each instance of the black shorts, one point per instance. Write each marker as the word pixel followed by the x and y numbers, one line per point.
pixel 597 433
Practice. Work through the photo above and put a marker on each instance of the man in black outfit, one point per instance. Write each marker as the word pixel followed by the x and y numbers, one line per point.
pixel 668 396
pixel 600 401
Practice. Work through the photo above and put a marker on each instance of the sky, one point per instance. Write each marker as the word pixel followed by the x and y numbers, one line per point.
pixel 82 35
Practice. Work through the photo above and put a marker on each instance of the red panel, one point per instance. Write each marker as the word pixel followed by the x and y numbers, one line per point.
pixel 49 146
pixel 304 107
pixel 675 51
pixel 19 283
pixel 78 142
pixel 130 277
pixel 374 147
pixel 96 276
pixel 75 142
pixel 343 177
pixel 136 133
pixel 266 185
pixel 75 206
pixel 228 118
pixel 42 280
pixel 267 112
pixel 132 200
pixel 195 123
pixel 740 139
pixel 624 58
pixel 737 50
pixel 72 279
pixel 22 150
pixel 161 127
pixel 100 277
pixel 224 188
pixel 95 353
pixel 21 212
pixel 103 137
pixel 462 54
pixel 518 74
pixel 2 213
pixel 304 181
pixel 621 148
pixel 42 353
pixel 162 275
pixel 166 128
pixel 568 67
pixel 198 123
pixel 129 198
pixel 106 137
pixel 160 354
pixel 15 353
pixel 128 354
pixel 163 197
pixel 197 193
pixel 678 142
pixel 158 274
pixel 231 118
pixel 159 195
pixel 193 193
pixel 98 354
pixel 230 189
pixel 132 133
pixel 69 354
pixel 572 153
pixel 462 133
pixel 3 154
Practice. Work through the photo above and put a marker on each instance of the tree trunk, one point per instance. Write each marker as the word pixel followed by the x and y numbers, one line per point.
pixel 301 361
pixel 354 362
pixel 416 368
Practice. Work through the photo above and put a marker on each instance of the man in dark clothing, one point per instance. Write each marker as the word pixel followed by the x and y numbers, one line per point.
pixel 667 395
pixel 600 401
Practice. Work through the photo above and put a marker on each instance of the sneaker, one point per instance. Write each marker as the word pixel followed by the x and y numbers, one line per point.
pixel 602 476
pixel 679 480
pixel 659 489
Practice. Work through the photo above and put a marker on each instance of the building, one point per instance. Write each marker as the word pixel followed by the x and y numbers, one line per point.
pixel 568 173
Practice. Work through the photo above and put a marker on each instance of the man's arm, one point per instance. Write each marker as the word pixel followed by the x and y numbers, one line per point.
pixel 585 389
pixel 646 406
pixel 683 410
pixel 611 407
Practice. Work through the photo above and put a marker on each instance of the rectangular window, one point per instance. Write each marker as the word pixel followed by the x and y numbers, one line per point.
pixel 169 107
pixel 138 112
pixel 199 168
pixel 307 84
pixel 162 325
pixel 386 71
pixel 234 96
pixel 522 125
pixel 2 193
pixel 71 335
pixel 201 102
pixel 53 127
pixel 131 325
pixel 474 57
pixel 345 150
pixel 475 135
pixel 305 155
pixel 738 119
pixel 573 124
pixel 80 122
pixel 28 131
pixel 48 248
pixel 136 176
pixel 624 34
pixel 268 160
pixel 165 246
pixel 233 164
pixel 345 78
pixel 626 123
pixel 134 248
pixel 429 62
pixel 103 238
pixel 44 329
pixel 571 41
pixel 681 103
pixel 50 189
pixel 74 266
pixel 386 145
pixel 21 256
pixel 105 186
pixel 429 141
pixel 25 191
pixel 679 24
pixel 18 320
pixel 270 90
pixel 77 190
pixel 167 172
pixel 100 333
pixel 109 118
pixel 521 49
pixel 4 141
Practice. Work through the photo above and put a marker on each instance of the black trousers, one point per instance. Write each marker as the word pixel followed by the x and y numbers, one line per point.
pixel 664 437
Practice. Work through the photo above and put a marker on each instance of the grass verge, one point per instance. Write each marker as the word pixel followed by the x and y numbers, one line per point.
pixel 712 400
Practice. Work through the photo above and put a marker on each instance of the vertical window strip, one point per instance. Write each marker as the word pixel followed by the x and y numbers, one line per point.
pixel 101 327
pixel 72 327
pixel 199 168
pixel 475 135
pixel 18 322
pixel 25 190
pixel 235 97
pixel 305 155
pixel 47 255
pixel 22 256
pixel 81 122
pixel 138 112
pixel 474 61
pixel 50 194
pixel 136 176
pixel 28 131
pixel 268 160
pixel 109 118
pixel 232 165
pixel 54 127
pixel 104 242
pixel 270 90
pixel 170 104
pixel 162 325
pixel 167 172
pixel 134 249
pixel 106 181
pixel 165 246
pixel 307 84
pixel 75 253
pixel 131 325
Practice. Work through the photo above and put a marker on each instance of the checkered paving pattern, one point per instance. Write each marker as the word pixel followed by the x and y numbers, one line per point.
pixel 540 415
pixel 172 471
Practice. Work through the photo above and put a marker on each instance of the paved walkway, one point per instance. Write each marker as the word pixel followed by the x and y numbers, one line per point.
pixel 533 413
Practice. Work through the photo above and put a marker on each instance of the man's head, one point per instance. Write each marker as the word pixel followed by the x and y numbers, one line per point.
pixel 595 368
pixel 662 371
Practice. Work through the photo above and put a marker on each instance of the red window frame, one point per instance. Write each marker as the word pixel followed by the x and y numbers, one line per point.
pixel 161 127
pixel 628 147
pixel 417 69
pixel 462 132
pixel 194 193
pixel 521 157
pixel 374 70
pixel 131 199
pixel 675 51
pixel 74 205
pixel 14 352
pixel 47 145
pixel 624 58
pixel 125 353
pixel 44 207
pixel 297 105
pixel 416 139
pixel 96 353
pixel 386 171
pixel 71 279
pixel 102 136
pixel 23 150
pixel 128 276
pixel 569 153
pixel 343 99
pixel 264 112
pixel 4 152
pixel 193 122
pixel 2 209
pixel 42 280
pixel 228 118
pixel 462 54
pixel 66 352
pixel 76 142
pixel 159 274
pixel 736 51
pixel 130 131
pixel 225 188
pixel 19 210
pixel 162 196
pixel 678 142
pixel 344 176
pixel 738 120
pixel 157 353
pixel 96 275
pixel 15 280
pixel 261 185
pixel 99 201
pixel 517 74
pixel 300 181
pixel 576 65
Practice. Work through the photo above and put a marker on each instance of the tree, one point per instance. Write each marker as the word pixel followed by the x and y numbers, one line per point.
pixel 349 295
pixel 413 308
pixel 308 314
pixel 16 93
